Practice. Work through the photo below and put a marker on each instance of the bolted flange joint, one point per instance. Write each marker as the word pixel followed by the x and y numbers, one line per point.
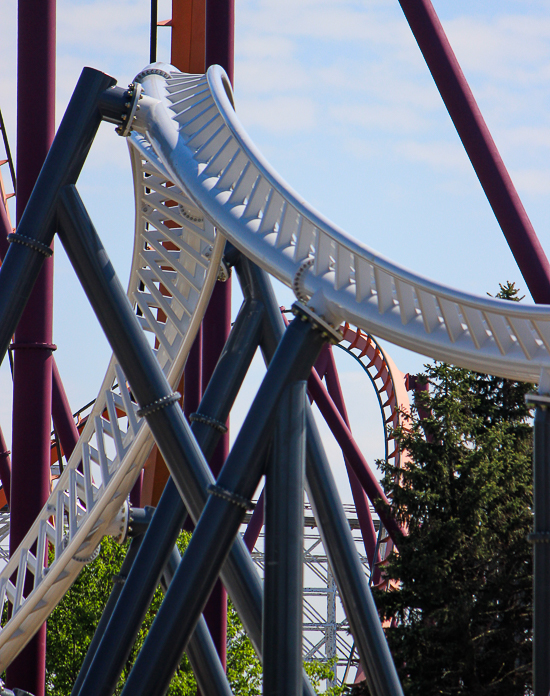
pixel 306 313
pixel 119 106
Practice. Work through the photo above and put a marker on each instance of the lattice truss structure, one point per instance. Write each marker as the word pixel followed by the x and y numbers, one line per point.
pixel 326 635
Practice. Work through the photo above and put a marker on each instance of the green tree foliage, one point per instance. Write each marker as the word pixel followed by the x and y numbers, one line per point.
pixel 244 670
pixel 462 613
pixel 318 672
pixel 71 625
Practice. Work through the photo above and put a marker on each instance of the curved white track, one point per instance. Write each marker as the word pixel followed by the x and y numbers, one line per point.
pixel 194 130
pixel 196 172
pixel 175 264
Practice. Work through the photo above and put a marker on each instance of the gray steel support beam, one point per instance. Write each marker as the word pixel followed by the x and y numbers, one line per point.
pixel 187 466
pixel 201 651
pixel 284 548
pixel 109 656
pixel 224 512
pixel 541 551
pixel 36 229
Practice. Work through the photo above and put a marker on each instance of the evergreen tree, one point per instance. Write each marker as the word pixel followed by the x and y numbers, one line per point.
pixel 462 613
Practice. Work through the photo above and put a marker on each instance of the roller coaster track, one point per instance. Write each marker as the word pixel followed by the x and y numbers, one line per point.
pixel 175 263
pixel 205 149
pixel 389 384
pixel 196 175
pixel 388 381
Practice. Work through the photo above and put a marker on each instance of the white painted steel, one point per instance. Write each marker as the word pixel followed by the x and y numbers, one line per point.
pixel 175 263
pixel 192 126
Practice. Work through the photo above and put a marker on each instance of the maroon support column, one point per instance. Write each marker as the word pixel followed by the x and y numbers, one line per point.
pixel 33 338
pixel 479 145
pixel 220 20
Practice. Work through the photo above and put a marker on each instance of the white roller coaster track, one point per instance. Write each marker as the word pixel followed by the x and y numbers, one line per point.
pixel 196 172
pixel 194 130
pixel 176 260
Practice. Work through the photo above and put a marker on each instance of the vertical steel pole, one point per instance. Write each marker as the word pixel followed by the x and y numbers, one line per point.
pixel 187 466
pixel 336 535
pixel 32 398
pixel 480 146
pixel 153 37
pixel 224 511
pixel 5 463
pixel 219 49
pixel 284 548
pixel 541 548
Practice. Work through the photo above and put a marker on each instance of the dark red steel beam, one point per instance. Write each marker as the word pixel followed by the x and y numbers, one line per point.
pixel 33 362
pixel 480 147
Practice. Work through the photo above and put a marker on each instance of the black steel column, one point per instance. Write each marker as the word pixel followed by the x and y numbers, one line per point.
pixel 541 547
pixel 284 548
pixel 356 596
pixel 188 468
pixel 35 232
pixel 355 593
pixel 224 512
pixel 110 656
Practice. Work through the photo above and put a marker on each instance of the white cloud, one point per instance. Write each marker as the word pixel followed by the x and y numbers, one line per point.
pixel 380 117
pixel 439 155
pixel 534 182
pixel 285 114
pixel 505 48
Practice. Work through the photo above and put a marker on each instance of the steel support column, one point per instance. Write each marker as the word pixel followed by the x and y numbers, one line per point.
pixel 480 146
pixel 32 366
pixel 219 50
pixel 354 591
pixel 541 548
pixel 225 509
pixel 188 468
pixel 65 159
pixel 159 540
pixel 284 548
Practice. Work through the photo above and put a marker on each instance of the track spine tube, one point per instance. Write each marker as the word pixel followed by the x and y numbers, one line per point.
pixel 63 164
pixel 361 611
pixel 222 516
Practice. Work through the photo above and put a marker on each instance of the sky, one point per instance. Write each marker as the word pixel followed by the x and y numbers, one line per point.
pixel 336 95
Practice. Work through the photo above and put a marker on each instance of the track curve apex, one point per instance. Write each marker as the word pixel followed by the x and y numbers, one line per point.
pixel 191 124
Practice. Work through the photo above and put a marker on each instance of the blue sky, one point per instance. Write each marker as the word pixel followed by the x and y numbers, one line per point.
pixel 337 96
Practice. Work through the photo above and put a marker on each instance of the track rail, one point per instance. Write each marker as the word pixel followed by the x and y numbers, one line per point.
pixel 192 125
pixel 389 383
pixel 196 175
pixel 387 379
pixel 175 263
